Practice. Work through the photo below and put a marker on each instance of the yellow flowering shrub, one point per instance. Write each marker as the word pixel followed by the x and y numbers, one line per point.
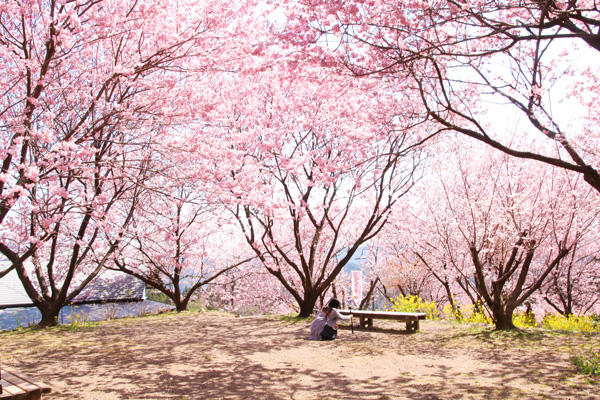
pixel 571 323
pixel 467 313
pixel 414 303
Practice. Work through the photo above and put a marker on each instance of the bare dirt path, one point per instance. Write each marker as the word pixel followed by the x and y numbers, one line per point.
pixel 220 356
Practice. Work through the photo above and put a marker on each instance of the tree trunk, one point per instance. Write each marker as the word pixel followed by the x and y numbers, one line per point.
pixel 455 309
pixel 503 320
pixel 307 306
pixel 49 314
pixel 364 304
pixel 180 305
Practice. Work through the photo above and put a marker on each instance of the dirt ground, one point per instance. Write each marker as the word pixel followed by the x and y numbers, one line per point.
pixel 197 355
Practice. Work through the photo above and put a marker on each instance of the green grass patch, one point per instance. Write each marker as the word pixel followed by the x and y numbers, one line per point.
pixel 588 363
pixel 293 318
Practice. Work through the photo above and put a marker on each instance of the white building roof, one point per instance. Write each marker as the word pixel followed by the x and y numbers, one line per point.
pixel 107 287
pixel 12 292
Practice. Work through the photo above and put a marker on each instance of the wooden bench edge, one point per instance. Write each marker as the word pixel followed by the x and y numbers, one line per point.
pixel 367 314
pixel 44 387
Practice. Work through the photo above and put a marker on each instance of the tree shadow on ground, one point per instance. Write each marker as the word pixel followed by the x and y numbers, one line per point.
pixel 217 356
pixel 377 329
pixel 175 364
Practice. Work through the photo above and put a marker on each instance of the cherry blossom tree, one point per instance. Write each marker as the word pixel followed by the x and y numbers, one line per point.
pixel 508 226
pixel 83 220
pixel 312 172
pixel 88 87
pixel 465 57
pixel 371 267
pixel 388 271
pixel 6 270
pixel 572 287
pixel 177 243
pixel 392 260
pixel 248 289
pixel 428 235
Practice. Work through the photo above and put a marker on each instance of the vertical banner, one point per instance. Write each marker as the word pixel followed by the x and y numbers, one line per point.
pixel 357 285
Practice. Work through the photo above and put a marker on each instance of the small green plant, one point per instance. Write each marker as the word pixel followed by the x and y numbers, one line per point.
pixel 414 303
pixel 572 323
pixel 110 311
pixel 588 363
pixel 76 320
pixel 23 319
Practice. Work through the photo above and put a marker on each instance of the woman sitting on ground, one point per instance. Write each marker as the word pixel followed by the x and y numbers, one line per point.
pixel 324 327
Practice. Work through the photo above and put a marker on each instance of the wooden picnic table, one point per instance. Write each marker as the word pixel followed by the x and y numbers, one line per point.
pixel 17 386
pixel 366 317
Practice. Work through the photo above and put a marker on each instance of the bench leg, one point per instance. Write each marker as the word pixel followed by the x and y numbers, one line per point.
pixel 37 395
pixel 366 322
pixel 412 325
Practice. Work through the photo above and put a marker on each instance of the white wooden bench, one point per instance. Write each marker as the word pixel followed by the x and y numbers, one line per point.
pixel 366 317
pixel 16 386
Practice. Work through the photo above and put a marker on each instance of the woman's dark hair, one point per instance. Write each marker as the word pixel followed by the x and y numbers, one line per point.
pixel 333 303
